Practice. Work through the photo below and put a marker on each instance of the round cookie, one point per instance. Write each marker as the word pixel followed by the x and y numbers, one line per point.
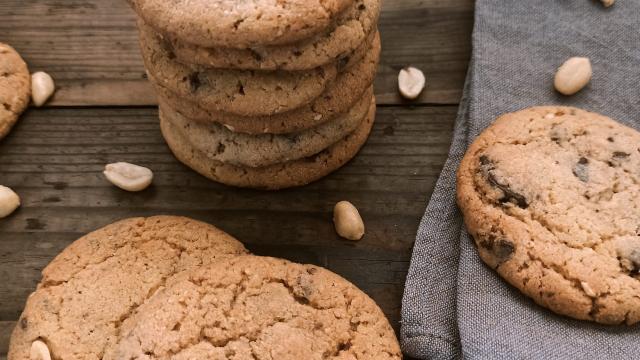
pixel 354 28
pixel 90 288
pixel 348 88
pixel 551 196
pixel 15 88
pixel 240 24
pixel 246 93
pixel 221 144
pixel 279 176
pixel 254 307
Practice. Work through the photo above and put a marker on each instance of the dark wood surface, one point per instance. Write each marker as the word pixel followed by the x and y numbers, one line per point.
pixel 103 112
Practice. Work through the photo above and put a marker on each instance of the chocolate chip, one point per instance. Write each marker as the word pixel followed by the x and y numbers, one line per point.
pixel 194 81
pixel 221 148
pixel 24 323
pixel 509 196
pixel 617 158
pixel 297 53
pixel 344 346
pixel 240 88
pixel 502 249
pixel 621 155
pixel 342 62
pixel 581 169
pixel 256 55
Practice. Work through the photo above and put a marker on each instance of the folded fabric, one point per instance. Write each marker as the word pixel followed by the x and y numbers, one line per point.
pixel 454 306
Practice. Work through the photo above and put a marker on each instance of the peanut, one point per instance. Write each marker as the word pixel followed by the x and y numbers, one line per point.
pixel 573 75
pixel 42 87
pixel 607 3
pixel 9 201
pixel 411 82
pixel 347 221
pixel 39 351
pixel 128 177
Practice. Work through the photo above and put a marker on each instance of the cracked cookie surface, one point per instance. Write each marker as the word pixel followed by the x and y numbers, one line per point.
pixel 253 307
pixel 15 88
pixel 277 176
pixel 353 28
pixel 338 98
pixel 240 92
pixel 551 196
pixel 222 144
pixel 97 282
pixel 240 24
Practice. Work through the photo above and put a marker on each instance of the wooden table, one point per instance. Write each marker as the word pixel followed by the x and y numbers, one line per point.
pixel 104 111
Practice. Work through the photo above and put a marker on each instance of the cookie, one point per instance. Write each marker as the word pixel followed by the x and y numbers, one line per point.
pixel 224 145
pixel 247 93
pixel 240 24
pixel 254 307
pixel 551 196
pixel 354 28
pixel 15 88
pixel 278 176
pixel 339 98
pixel 97 282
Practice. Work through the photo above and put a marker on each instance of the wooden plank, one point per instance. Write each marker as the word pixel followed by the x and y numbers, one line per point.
pixel 90 47
pixel 6 327
pixel 54 157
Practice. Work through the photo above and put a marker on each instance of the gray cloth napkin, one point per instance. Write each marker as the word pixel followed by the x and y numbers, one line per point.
pixel 454 306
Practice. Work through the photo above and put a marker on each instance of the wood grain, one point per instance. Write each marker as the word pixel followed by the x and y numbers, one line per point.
pixel 54 157
pixel 90 47
pixel 5 333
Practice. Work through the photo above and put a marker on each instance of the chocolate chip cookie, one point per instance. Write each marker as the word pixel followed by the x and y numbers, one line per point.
pixel 345 91
pixel 253 307
pixel 100 280
pixel 222 144
pixel 551 196
pixel 245 93
pixel 240 24
pixel 278 176
pixel 15 88
pixel 353 29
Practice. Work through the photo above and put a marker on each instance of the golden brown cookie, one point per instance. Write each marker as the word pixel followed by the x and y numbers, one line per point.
pixel 240 24
pixel 240 92
pixel 274 177
pixel 340 44
pixel 258 150
pixel 15 88
pixel 97 282
pixel 253 307
pixel 345 91
pixel 551 196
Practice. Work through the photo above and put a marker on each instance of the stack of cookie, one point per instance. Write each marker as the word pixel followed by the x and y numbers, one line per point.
pixel 262 94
